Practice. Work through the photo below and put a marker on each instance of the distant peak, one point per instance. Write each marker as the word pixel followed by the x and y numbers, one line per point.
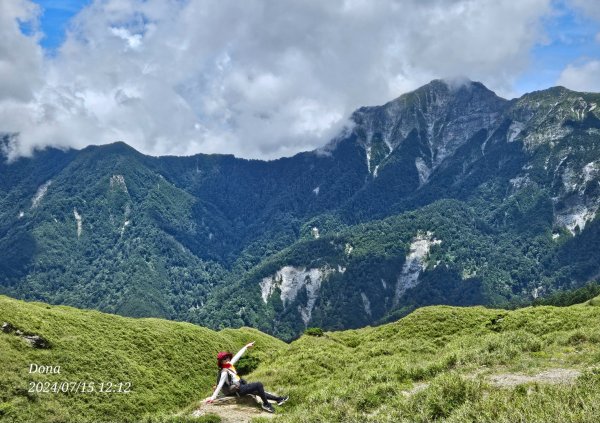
pixel 120 144
pixel 114 147
pixel 454 85
pixel 554 91
pixel 449 84
pixel 460 89
pixel 438 93
pixel 458 82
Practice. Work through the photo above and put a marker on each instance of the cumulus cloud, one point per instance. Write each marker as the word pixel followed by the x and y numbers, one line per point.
pixel 20 55
pixel 258 78
pixel 584 77
pixel 591 8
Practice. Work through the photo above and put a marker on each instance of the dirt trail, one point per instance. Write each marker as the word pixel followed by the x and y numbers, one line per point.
pixel 551 376
pixel 417 387
pixel 556 376
pixel 240 410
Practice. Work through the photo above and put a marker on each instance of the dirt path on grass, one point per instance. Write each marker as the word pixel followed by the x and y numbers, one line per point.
pixel 556 376
pixel 551 376
pixel 418 386
pixel 233 411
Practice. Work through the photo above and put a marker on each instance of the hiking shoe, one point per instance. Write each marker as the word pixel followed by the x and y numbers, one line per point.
pixel 267 407
pixel 283 400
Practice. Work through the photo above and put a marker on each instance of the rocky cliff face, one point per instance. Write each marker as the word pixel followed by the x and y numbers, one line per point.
pixel 414 263
pixel 561 131
pixel 442 115
pixel 556 132
pixel 290 281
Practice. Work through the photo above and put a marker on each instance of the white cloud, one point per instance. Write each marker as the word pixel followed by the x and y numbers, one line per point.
pixel 133 40
pixel 20 55
pixel 584 74
pixel 258 78
pixel 591 8
pixel 585 77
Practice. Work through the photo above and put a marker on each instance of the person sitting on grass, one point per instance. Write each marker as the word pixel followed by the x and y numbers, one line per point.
pixel 231 384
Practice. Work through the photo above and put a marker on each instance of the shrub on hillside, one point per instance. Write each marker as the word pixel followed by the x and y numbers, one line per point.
pixel 314 332
pixel 247 364
pixel 567 298
pixel 595 302
pixel 446 393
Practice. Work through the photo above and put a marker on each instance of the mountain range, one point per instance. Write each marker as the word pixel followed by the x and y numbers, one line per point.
pixel 446 195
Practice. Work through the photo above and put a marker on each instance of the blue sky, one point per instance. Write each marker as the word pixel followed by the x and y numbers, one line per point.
pixel 55 18
pixel 572 38
pixel 266 78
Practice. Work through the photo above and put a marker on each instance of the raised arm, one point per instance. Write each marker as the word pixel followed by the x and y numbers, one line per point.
pixel 241 352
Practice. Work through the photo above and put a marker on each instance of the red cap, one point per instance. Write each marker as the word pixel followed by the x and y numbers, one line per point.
pixel 222 356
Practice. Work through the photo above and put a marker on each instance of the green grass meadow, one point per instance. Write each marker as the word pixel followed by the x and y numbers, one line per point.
pixel 436 364
pixel 170 365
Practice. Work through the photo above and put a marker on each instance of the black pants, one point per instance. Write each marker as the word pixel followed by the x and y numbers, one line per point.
pixel 257 388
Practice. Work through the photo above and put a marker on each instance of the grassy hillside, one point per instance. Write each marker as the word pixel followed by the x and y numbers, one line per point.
pixel 169 365
pixel 537 364
pixel 452 364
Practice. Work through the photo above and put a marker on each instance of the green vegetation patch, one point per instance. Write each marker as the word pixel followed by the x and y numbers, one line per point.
pixel 439 363
pixel 112 368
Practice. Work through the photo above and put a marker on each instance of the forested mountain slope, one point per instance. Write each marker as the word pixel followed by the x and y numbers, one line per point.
pixel 446 195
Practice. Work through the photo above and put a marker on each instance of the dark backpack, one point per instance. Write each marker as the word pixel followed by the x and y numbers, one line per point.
pixel 230 387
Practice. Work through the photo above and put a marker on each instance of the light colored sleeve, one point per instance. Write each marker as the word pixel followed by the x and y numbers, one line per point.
pixel 239 354
pixel 219 386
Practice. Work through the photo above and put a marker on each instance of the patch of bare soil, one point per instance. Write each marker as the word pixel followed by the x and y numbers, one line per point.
pixel 551 376
pixel 234 409
pixel 419 386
